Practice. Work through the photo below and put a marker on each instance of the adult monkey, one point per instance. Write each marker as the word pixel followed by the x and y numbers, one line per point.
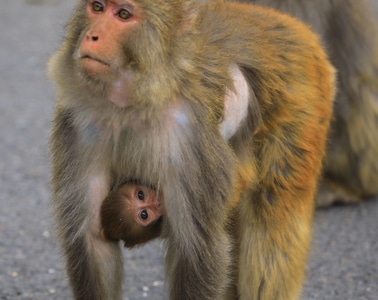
pixel 210 103
pixel 349 30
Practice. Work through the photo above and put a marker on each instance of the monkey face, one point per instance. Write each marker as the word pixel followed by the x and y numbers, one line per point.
pixel 132 213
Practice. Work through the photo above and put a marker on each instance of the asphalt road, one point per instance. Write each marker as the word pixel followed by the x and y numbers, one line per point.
pixel 344 258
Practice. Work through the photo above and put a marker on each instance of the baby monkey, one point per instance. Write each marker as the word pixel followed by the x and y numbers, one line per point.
pixel 133 214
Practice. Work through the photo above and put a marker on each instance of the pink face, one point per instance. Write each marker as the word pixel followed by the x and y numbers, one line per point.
pixel 109 23
pixel 144 203
pixel 100 54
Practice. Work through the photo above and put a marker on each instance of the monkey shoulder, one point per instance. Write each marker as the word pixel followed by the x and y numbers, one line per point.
pixel 254 26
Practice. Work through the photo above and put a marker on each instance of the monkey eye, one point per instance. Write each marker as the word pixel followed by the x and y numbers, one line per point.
pixel 125 14
pixel 141 195
pixel 144 214
pixel 97 6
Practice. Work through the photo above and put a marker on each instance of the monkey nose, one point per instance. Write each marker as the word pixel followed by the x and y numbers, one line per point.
pixel 91 37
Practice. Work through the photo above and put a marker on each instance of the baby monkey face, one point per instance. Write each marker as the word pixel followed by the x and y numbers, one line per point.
pixel 143 203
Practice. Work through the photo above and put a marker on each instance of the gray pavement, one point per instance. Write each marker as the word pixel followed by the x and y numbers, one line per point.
pixel 344 258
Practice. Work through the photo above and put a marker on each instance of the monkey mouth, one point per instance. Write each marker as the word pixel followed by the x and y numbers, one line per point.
pixel 90 57
pixel 94 66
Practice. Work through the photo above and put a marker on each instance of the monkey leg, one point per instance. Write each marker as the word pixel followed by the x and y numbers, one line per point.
pixel 331 192
pixel 363 136
pixel 351 170
pixel 364 143
pixel 94 267
pixel 274 242
pixel 198 246
pixel 205 273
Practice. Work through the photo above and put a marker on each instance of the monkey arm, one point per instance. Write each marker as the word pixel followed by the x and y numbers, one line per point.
pixel 196 197
pixel 94 267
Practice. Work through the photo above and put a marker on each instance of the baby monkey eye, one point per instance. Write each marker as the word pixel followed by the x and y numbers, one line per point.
pixel 97 6
pixel 124 14
pixel 144 214
pixel 141 195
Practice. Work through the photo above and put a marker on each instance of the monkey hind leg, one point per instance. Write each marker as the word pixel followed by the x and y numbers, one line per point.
pixel 331 192
pixel 274 242
pixel 351 170
pixel 363 137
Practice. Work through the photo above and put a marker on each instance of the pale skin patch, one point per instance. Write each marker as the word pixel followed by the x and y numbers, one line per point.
pixel 235 104
pixel 120 89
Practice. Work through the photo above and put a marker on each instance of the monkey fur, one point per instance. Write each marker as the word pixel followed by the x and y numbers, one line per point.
pixel 121 215
pixel 224 108
pixel 351 170
pixel 348 29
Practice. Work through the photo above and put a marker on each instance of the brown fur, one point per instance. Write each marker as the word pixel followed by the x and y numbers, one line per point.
pixel 349 30
pixel 118 218
pixel 161 125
